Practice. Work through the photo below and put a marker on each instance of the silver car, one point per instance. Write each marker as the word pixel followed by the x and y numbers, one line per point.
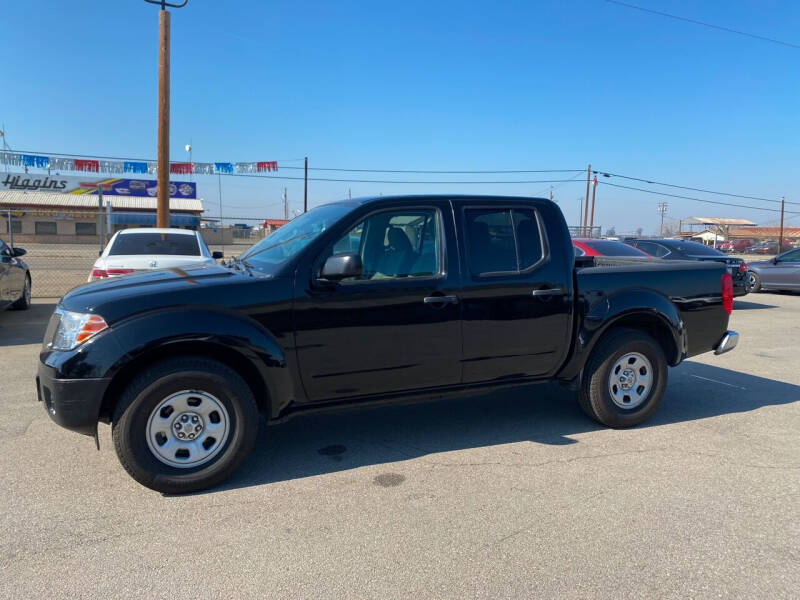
pixel 779 273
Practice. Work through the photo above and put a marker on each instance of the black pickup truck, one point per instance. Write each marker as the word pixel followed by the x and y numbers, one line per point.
pixel 370 300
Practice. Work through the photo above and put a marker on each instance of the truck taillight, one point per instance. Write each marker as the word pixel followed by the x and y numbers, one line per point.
pixel 743 267
pixel 99 274
pixel 727 292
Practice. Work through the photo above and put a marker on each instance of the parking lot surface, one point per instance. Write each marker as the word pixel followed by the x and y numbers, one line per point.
pixel 509 495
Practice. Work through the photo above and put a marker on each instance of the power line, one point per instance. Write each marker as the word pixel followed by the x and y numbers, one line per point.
pixel 400 181
pixel 627 187
pixel 704 24
pixel 438 172
pixel 683 187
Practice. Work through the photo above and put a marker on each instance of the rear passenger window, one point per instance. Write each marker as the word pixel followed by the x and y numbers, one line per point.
pixel 502 240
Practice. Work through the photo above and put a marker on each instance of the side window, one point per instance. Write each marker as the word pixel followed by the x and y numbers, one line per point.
pixel 793 256
pixel 661 251
pixel 502 240
pixel 393 244
pixel 529 239
pixel 652 248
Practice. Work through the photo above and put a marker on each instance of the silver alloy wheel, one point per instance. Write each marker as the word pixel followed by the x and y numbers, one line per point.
pixel 187 429
pixel 630 380
pixel 751 280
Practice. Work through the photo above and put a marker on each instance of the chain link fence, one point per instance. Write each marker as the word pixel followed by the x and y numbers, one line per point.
pixel 62 247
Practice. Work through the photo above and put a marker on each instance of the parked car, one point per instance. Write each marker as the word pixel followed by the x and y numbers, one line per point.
pixel 737 245
pixel 780 273
pixel 146 249
pixel 676 249
pixel 769 248
pixel 599 247
pixel 15 279
pixel 443 295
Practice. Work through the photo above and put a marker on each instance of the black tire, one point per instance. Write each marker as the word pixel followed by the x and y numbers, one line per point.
pixel 24 302
pixel 160 381
pixel 595 397
pixel 754 282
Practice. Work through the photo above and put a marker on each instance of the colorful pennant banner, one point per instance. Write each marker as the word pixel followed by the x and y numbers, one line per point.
pixel 58 163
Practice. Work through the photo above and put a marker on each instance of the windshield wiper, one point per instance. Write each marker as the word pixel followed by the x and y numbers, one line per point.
pixel 239 264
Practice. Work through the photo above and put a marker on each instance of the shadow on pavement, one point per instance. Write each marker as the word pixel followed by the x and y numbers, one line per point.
pixel 324 443
pixel 742 305
pixel 19 327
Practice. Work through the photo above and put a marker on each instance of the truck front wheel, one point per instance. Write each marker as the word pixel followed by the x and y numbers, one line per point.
pixel 184 424
pixel 624 380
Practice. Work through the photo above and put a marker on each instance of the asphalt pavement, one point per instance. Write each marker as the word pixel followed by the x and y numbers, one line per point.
pixel 512 495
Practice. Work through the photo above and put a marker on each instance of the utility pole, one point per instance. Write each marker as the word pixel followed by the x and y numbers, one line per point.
pixel 162 210
pixel 305 188
pixel 285 206
pixel 591 221
pixel 586 206
pixel 780 235
pixel 662 208
pixel 219 182
pixel 349 195
pixel 551 193
pixel 100 216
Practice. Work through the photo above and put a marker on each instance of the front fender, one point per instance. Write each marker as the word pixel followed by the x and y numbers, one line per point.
pixel 622 308
pixel 235 337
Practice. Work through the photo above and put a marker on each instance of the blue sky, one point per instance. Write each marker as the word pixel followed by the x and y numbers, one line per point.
pixel 424 85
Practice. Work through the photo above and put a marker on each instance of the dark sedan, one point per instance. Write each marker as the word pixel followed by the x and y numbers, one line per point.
pixel 15 279
pixel 779 273
pixel 676 249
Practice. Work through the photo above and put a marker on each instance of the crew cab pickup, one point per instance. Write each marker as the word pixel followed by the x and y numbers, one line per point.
pixel 363 301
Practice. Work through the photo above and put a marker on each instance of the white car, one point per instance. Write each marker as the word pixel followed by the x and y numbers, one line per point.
pixel 147 249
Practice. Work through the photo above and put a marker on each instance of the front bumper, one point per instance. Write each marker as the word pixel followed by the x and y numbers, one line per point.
pixel 72 403
pixel 728 342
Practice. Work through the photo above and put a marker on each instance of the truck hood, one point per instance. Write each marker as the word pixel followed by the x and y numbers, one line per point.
pixel 201 285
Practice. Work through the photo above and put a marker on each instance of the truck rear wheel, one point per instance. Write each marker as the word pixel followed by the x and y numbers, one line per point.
pixel 624 380
pixel 184 425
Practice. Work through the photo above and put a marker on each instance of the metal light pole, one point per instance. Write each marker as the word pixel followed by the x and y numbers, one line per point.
pixel 188 148
pixel 162 210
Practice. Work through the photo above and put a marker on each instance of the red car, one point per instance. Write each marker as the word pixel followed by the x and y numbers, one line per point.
pixel 736 245
pixel 596 247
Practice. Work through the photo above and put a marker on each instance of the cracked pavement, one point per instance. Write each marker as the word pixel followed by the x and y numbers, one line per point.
pixel 510 495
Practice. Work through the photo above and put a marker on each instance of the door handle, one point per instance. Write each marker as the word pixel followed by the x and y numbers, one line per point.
pixel 440 300
pixel 549 292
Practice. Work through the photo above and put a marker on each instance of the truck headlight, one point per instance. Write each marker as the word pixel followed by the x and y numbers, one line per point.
pixel 75 328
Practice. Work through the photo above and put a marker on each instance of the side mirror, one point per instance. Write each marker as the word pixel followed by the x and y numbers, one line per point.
pixel 18 251
pixel 340 266
pixel 775 260
pixel 216 255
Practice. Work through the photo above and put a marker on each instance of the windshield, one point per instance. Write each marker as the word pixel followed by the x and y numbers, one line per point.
pixel 695 249
pixel 274 250
pixel 172 244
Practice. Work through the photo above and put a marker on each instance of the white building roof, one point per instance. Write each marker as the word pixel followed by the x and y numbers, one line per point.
pixel 15 199
pixel 717 221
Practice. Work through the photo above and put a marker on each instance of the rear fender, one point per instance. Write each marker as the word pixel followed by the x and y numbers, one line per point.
pixel 637 309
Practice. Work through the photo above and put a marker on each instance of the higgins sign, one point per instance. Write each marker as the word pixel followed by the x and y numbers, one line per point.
pixel 25 182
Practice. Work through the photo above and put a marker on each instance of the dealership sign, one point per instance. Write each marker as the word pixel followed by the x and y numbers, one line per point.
pixel 67 184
